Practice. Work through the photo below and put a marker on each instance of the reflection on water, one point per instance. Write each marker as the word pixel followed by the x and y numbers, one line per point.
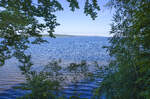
pixel 69 49
pixel 10 75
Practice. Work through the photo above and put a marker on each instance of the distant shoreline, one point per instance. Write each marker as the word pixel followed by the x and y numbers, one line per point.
pixel 67 35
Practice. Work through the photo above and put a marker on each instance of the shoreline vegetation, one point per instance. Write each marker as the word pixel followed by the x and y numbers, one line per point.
pixel 53 78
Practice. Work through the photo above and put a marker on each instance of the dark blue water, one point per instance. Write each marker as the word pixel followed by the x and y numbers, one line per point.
pixel 69 49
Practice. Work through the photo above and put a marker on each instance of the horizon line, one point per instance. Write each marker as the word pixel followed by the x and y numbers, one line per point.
pixel 79 34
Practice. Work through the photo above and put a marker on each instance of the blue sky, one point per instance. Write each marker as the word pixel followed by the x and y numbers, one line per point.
pixel 77 23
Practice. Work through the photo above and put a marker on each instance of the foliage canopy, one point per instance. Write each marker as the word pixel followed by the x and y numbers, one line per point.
pixel 19 20
pixel 129 72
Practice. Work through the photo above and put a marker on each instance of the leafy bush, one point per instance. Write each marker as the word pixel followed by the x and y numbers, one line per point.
pixel 48 82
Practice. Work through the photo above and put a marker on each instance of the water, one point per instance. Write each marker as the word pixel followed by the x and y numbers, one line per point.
pixel 69 49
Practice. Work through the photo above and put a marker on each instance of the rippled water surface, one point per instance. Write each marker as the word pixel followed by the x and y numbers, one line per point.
pixel 69 49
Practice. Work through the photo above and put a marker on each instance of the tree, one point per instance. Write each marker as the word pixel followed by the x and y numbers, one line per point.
pixel 129 71
pixel 19 21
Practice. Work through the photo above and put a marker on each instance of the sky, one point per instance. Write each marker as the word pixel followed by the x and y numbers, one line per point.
pixel 77 23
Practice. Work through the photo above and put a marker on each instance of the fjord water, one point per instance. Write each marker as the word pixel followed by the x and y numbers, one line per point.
pixel 69 49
